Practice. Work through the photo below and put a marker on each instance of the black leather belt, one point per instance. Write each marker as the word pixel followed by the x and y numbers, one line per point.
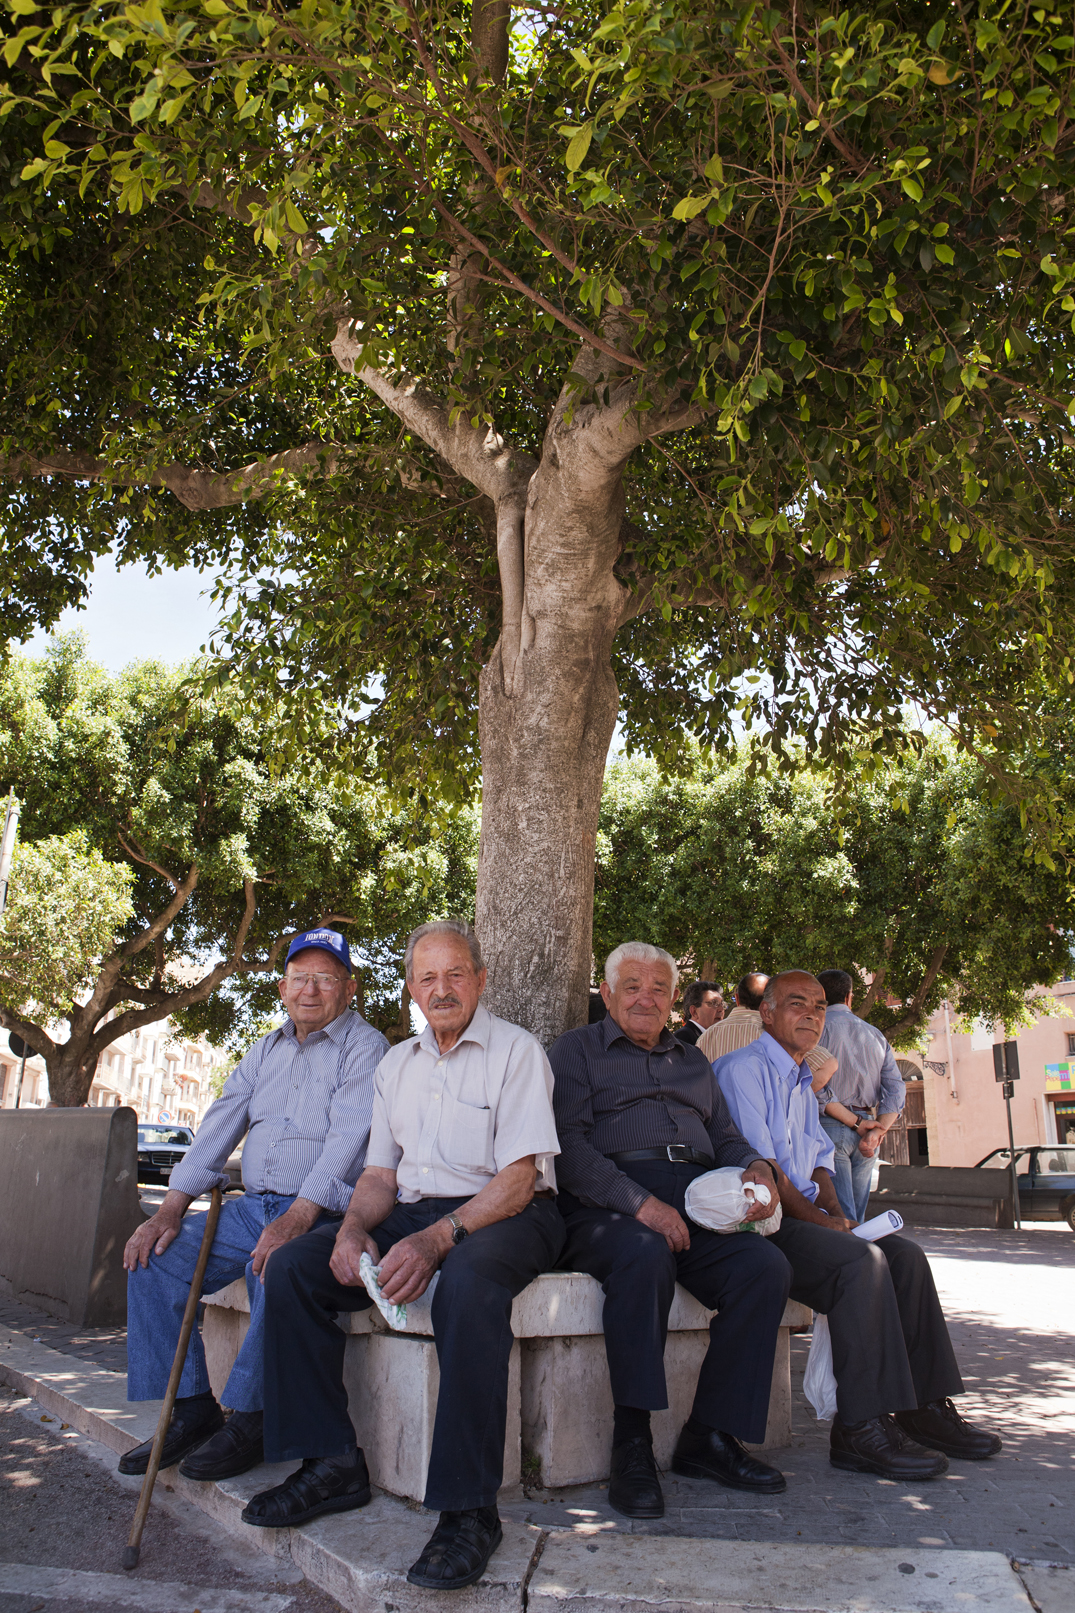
pixel 678 1153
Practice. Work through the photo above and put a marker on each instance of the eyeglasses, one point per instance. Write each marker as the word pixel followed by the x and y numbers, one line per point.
pixel 319 982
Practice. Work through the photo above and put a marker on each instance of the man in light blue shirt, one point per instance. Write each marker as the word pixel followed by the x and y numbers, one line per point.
pixel 892 1358
pixel 303 1098
pixel 867 1082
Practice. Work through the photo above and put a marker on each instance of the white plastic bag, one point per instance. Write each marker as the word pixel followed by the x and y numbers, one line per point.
pixel 819 1382
pixel 394 1315
pixel 721 1201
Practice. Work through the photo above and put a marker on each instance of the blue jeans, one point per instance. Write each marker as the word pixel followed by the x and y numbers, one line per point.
pixel 157 1297
pixel 852 1171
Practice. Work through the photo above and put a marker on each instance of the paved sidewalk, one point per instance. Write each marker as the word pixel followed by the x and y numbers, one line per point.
pixel 1010 1301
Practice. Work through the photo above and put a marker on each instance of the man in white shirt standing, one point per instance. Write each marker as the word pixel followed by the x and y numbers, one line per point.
pixel 742 1026
pixel 458 1179
pixel 302 1097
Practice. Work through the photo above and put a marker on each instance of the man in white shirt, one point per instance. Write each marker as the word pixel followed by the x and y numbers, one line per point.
pixel 458 1179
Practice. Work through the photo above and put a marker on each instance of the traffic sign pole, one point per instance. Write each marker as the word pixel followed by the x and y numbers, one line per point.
pixel 1006 1071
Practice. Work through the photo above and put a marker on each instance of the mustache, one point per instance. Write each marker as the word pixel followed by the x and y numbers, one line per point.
pixel 450 1001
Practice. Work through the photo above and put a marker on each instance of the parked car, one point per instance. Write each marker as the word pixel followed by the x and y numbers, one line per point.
pixel 160 1148
pixel 1046 1177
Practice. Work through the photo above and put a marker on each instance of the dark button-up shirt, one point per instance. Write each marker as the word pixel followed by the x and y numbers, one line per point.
pixel 612 1096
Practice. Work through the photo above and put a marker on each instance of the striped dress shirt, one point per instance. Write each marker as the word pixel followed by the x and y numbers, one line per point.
pixel 741 1027
pixel 612 1096
pixel 304 1109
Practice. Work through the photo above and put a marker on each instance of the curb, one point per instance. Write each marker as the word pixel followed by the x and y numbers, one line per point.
pixel 361 1558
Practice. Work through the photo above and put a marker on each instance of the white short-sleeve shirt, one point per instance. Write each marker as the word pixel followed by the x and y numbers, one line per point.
pixel 446 1123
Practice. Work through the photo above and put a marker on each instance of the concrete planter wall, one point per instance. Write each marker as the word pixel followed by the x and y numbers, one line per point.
pixel 68 1204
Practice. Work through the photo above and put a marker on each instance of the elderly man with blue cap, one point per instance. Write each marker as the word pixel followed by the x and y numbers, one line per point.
pixel 303 1098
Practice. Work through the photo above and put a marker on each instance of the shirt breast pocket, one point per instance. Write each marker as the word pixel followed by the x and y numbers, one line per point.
pixel 470 1138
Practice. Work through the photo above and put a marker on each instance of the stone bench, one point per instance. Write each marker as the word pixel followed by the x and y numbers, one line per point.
pixel 559 1400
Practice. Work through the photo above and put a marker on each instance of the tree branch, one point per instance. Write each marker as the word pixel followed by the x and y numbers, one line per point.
pixel 195 489
pixel 139 857
pixel 914 1007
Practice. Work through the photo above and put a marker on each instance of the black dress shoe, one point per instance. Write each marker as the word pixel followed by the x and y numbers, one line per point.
pixel 939 1426
pixel 321 1484
pixel 879 1445
pixel 457 1553
pixel 188 1429
pixel 719 1456
pixel 235 1449
pixel 633 1486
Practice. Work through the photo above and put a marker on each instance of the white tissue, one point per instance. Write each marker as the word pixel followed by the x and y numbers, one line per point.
pixel 394 1315
pixel 880 1227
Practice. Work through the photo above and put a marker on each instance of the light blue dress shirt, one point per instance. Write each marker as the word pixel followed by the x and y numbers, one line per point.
pixel 305 1110
pixel 771 1102
pixel 867 1076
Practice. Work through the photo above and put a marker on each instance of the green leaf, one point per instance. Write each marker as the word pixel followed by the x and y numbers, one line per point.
pixel 578 147
pixel 691 206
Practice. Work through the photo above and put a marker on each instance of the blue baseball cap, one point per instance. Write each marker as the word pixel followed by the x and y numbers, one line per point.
pixel 328 941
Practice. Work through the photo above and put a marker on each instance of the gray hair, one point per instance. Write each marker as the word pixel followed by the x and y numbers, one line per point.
pixel 458 927
pixel 638 952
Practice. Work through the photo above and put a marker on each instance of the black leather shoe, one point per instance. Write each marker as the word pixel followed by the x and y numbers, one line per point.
pixel 939 1426
pixel 187 1430
pixel 880 1446
pixel 457 1553
pixel 235 1449
pixel 721 1456
pixel 321 1484
pixel 633 1486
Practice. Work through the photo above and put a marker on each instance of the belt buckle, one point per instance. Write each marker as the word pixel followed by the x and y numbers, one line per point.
pixel 677 1153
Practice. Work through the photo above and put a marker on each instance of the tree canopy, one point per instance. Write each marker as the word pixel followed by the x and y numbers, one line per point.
pixel 162 868
pixel 925 892
pixel 667 360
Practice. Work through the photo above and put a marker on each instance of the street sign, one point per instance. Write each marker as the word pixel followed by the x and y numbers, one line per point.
pixel 1007 1090
pixel 1005 1061
pixel 164 1117
pixel 17 1045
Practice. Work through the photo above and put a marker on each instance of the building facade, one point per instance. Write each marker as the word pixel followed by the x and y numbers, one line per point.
pixel 956 1113
pixel 161 1076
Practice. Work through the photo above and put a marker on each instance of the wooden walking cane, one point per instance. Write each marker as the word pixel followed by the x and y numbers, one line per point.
pixel 141 1511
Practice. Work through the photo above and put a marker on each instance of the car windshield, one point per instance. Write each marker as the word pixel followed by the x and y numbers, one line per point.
pixel 998 1159
pixel 154 1136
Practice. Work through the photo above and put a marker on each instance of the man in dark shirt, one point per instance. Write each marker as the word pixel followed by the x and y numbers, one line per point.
pixel 639 1116
pixel 703 1005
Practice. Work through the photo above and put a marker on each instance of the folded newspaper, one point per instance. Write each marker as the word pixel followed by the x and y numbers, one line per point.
pixel 394 1315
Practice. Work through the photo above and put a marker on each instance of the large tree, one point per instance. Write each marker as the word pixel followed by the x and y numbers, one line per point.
pixel 163 867
pixel 600 358
pixel 925 890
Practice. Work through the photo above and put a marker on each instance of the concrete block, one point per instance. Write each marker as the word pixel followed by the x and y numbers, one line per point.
pixel 945 1196
pixel 567 1404
pixel 392 1382
pixel 654 1572
pixel 223 1332
pixel 68 1204
pixel 91 1399
pixel 1051 1585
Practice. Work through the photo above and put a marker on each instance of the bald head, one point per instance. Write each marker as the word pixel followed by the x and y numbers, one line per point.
pixel 793 1011
pixel 749 991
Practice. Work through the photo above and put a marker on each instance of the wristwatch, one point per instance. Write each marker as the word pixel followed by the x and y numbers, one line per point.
pixel 459 1231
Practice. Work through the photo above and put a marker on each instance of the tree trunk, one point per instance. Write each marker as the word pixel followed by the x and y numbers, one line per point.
pixel 547 716
pixel 71 1074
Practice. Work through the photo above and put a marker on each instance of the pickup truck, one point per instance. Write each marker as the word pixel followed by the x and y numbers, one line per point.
pixel 1046 1177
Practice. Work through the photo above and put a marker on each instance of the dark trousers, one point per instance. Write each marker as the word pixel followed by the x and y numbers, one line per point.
pixel 890 1344
pixel 739 1274
pixel 305 1400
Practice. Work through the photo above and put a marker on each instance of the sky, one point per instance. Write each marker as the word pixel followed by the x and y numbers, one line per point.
pixel 131 616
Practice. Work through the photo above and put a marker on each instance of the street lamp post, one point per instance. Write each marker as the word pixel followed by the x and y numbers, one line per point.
pixel 7 844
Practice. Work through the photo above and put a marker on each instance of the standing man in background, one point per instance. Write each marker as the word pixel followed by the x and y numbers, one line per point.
pixel 702 1006
pixel 743 1024
pixel 303 1098
pixel 867 1083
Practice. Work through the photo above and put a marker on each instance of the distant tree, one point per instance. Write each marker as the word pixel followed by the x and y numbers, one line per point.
pixel 922 890
pixel 162 868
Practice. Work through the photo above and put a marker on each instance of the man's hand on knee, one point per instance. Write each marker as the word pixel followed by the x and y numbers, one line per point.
pixel 351 1244
pixel 292 1224
pixel 410 1265
pixel 154 1235
pixel 661 1217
